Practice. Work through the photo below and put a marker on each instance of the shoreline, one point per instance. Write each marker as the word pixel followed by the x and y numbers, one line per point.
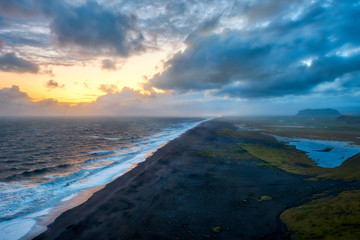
pixel 114 181
pixel 43 221
pixel 38 221
pixel 187 190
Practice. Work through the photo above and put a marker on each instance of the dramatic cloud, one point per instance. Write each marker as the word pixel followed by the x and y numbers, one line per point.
pixel 85 27
pixel 290 56
pixel 127 102
pixel 93 28
pixel 9 62
pixel 14 102
pixel 126 27
pixel 233 54
pixel 53 84
pixel 108 64
pixel 12 95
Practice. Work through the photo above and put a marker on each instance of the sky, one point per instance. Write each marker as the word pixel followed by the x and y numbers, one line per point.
pixel 178 58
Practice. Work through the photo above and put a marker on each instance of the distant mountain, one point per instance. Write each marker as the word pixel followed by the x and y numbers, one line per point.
pixel 324 112
pixel 348 119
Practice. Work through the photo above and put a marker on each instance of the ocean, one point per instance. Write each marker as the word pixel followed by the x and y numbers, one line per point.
pixel 46 161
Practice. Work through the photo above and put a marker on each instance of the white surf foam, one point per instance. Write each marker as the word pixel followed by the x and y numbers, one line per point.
pixel 65 188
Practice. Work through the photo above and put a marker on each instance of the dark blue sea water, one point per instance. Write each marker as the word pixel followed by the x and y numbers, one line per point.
pixel 46 160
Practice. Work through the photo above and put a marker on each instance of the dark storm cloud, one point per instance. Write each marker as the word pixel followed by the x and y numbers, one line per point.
pixel 93 28
pixel 210 62
pixel 9 62
pixel 85 27
pixel 246 49
pixel 113 27
pixel 286 56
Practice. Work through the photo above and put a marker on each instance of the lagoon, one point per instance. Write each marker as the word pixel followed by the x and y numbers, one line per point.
pixel 325 153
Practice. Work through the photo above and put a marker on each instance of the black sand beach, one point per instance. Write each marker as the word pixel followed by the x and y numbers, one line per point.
pixel 185 191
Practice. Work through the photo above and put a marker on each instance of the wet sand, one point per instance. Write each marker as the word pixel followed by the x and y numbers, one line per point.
pixel 177 194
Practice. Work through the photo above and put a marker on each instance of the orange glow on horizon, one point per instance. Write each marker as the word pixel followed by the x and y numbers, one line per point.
pixel 81 83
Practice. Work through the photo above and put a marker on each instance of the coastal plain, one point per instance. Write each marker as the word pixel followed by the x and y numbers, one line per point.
pixel 219 181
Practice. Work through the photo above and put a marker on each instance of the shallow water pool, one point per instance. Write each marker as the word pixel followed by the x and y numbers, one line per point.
pixel 324 153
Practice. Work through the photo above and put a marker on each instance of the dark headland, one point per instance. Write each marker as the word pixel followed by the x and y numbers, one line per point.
pixel 202 185
pixel 348 119
pixel 322 112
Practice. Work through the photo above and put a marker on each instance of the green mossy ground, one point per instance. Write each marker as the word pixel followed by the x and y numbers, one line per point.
pixel 327 218
pixel 265 198
pixel 288 158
